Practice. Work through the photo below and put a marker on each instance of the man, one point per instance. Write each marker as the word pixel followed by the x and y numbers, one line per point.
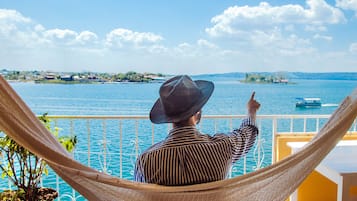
pixel 186 156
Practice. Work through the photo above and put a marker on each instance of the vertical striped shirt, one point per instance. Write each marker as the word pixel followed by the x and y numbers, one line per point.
pixel 188 157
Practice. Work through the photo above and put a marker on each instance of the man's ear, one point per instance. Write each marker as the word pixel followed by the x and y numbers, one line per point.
pixel 198 117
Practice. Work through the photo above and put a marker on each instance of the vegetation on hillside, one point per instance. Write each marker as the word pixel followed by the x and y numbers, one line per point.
pixel 75 77
pixel 265 78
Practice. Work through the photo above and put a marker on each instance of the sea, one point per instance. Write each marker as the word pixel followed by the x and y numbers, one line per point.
pixel 229 97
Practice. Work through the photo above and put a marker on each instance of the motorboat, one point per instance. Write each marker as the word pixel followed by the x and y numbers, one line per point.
pixel 308 102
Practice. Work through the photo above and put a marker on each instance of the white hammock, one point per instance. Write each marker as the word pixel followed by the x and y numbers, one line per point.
pixel 275 182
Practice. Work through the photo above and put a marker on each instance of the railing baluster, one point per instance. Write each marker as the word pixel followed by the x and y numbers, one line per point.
pixel 104 146
pixel 58 187
pixel 72 134
pixel 169 127
pixel 274 133
pixel 259 144
pixel 73 194
pixel 215 125
pixel 121 148
pixel 230 128
pixel 88 142
pixel 57 177
pixel 230 123
pixel 136 139
pixel 72 127
pixel 245 164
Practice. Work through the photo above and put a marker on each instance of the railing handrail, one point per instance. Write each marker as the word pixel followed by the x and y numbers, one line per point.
pixel 264 116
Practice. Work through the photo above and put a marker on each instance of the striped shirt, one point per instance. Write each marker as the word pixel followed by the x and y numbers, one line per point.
pixel 188 157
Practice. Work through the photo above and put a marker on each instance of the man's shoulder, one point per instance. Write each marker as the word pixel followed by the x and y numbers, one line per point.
pixel 183 142
pixel 220 136
pixel 154 147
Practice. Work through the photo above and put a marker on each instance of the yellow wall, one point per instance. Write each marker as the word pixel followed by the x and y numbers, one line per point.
pixel 353 193
pixel 316 187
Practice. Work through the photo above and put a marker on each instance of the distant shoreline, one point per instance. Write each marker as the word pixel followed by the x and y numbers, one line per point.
pixel 278 83
pixel 289 75
pixel 44 77
pixel 100 78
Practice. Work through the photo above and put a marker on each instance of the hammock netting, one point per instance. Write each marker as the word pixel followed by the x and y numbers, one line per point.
pixel 275 182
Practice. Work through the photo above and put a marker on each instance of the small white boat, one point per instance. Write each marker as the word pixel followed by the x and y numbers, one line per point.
pixel 308 102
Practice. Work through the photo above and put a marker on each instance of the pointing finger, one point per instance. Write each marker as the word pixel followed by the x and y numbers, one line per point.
pixel 252 97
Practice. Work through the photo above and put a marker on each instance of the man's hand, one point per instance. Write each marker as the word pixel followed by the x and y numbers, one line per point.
pixel 252 106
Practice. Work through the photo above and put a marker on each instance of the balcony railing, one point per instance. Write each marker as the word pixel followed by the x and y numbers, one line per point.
pixel 111 144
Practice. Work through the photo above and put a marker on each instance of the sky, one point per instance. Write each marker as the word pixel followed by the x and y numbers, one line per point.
pixel 179 36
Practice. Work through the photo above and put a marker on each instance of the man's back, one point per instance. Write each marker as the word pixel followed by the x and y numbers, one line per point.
pixel 188 157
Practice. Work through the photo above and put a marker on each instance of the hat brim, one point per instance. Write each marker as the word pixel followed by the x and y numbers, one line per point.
pixel 158 115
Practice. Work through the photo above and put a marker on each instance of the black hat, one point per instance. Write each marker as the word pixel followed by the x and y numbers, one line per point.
pixel 180 98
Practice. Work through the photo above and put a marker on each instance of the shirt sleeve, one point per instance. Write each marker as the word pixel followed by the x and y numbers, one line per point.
pixel 243 138
pixel 138 174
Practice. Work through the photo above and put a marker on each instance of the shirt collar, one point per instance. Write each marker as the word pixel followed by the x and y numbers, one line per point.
pixel 183 131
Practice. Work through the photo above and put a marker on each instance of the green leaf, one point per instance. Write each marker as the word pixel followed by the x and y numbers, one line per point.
pixel 45 171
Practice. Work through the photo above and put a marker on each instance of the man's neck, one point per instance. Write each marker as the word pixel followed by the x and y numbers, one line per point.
pixel 189 122
pixel 178 125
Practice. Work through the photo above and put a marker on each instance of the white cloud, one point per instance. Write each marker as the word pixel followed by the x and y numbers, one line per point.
pixel 353 48
pixel 11 21
pixel 119 37
pixel 12 16
pixel 157 49
pixel 71 38
pixel 60 35
pixel 275 43
pixel 245 17
pixel 197 52
pixel 323 13
pixel 39 28
pixel 18 31
pixel 316 28
pixel 275 31
pixel 86 37
pixel 184 49
pixel 206 44
pixel 289 27
pixel 21 32
pixel 327 38
pixel 347 4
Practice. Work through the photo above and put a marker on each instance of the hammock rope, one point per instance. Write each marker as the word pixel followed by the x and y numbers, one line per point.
pixel 275 182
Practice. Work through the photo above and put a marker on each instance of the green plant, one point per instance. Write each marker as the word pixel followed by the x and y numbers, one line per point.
pixel 23 168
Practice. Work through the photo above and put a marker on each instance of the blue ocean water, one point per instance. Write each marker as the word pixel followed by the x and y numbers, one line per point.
pixel 229 98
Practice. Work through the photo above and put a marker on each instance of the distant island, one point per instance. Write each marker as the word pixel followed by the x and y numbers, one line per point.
pixel 260 78
pixel 80 78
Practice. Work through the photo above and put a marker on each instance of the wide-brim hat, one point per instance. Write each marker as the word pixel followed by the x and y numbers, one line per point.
pixel 180 98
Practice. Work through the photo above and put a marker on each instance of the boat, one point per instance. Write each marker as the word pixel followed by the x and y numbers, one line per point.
pixel 308 102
